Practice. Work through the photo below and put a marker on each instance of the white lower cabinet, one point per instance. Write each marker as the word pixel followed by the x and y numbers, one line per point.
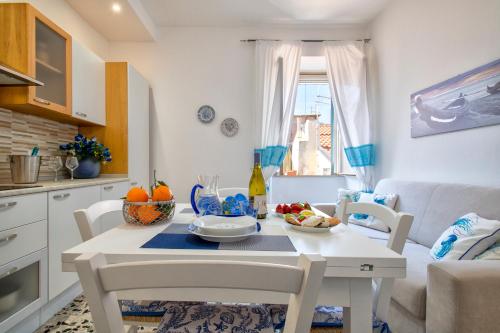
pixel 23 284
pixel 63 231
pixel 114 191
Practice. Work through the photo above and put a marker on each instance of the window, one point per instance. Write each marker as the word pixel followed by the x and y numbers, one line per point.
pixel 314 145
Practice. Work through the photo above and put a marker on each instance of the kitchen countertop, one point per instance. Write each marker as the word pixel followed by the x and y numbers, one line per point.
pixel 63 184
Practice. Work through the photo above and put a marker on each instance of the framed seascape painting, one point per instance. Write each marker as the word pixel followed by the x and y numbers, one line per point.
pixel 468 100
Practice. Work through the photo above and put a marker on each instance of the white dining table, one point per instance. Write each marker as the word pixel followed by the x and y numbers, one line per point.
pixel 353 261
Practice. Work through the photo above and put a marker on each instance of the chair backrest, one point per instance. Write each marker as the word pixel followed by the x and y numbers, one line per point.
pixel 100 281
pixel 399 224
pixel 227 191
pixel 87 219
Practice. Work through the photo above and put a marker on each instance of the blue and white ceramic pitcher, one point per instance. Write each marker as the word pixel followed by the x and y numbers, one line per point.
pixel 205 196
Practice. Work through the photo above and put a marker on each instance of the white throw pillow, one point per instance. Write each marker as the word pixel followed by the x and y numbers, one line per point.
pixel 468 237
pixel 364 220
pixel 492 253
pixel 343 193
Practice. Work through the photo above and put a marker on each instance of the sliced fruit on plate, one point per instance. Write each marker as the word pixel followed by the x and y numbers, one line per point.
pixel 290 218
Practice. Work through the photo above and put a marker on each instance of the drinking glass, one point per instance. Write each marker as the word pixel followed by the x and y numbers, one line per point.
pixel 71 164
pixel 55 164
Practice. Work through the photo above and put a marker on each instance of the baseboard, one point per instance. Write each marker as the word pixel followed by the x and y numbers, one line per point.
pixel 59 302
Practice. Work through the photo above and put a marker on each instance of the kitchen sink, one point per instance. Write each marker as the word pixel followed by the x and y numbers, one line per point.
pixel 16 187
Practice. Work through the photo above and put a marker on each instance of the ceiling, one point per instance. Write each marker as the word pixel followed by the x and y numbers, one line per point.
pixel 139 19
pixel 131 24
pixel 261 12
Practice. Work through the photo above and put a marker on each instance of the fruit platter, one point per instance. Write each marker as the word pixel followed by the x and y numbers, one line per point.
pixel 141 207
pixel 293 208
pixel 311 222
pixel 302 218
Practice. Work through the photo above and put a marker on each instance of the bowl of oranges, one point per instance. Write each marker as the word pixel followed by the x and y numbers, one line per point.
pixel 141 208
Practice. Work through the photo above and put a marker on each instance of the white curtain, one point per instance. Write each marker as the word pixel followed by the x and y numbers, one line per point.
pixel 346 70
pixel 278 69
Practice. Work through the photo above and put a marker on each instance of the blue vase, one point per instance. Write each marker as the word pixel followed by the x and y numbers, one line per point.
pixel 87 168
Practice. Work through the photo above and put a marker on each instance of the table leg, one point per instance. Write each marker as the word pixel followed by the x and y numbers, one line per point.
pixel 358 317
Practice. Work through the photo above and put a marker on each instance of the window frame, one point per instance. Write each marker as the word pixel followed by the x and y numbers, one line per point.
pixel 339 164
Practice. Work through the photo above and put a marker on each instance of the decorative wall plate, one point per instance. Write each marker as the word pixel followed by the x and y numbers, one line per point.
pixel 229 127
pixel 206 114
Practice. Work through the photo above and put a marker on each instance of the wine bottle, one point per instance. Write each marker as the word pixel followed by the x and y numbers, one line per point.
pixel 257 189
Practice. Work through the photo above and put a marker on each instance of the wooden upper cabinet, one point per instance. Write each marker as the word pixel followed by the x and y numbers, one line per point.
pixel 34 45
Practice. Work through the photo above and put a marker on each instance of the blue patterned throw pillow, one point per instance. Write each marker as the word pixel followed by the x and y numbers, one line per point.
pixel 364 220
pixel 465 239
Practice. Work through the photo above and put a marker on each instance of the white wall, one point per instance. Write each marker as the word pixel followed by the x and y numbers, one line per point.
pixel 189 67
pixel 417 44
pixel 61 13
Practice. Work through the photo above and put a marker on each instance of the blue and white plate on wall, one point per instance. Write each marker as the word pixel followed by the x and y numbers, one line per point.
pixel 206 114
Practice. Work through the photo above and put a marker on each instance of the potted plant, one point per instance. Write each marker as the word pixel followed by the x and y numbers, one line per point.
pixel 90 154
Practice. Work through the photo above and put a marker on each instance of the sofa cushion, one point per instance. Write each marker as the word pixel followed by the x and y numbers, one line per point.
pixel 451 201
pixel 410 292
pixel 414 198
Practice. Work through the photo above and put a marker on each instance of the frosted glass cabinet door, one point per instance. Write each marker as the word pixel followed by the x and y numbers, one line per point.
pixel 88 85
pixel 50 65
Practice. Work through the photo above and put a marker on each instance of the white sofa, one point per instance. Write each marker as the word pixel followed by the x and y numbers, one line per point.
pixel 441 297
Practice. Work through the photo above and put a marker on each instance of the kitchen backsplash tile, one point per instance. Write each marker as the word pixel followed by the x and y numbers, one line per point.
pixel 19 133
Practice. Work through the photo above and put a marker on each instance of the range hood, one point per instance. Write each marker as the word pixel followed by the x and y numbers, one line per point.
pixel 12 78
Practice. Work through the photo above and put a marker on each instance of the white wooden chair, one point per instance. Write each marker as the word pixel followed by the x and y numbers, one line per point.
pixel 87 219
pixel 101 281
pixel 399 224
pixel 227 191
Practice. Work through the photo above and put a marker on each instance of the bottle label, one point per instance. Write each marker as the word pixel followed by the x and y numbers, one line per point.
pixel 259 203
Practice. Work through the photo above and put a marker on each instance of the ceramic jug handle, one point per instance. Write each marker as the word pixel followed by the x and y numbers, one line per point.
pixel 193 201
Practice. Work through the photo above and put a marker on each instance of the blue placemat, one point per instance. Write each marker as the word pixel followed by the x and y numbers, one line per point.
pixel 176 236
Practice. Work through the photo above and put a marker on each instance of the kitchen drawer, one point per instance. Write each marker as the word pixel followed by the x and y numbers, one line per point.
pixel 18 242
pixel 22 209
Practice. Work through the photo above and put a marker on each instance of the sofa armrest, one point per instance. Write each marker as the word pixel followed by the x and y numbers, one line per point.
pixel 327 208
pixel 463 296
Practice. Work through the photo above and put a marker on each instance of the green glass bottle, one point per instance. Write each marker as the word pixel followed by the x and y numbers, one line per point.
pixel 257 189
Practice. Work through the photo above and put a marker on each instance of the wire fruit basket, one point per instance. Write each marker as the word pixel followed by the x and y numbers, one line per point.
pixel 148 213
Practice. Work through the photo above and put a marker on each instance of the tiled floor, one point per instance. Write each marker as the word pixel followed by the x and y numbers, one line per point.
pixel 75 318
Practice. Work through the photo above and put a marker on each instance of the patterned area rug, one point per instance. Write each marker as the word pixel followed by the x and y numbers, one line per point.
pixel 76 318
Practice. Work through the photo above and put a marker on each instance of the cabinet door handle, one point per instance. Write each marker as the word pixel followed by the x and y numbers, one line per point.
pixel 8 204
pixel 108 187
pixel 61 196
pixel 9 272
pixel 81 114
pixel 41 100
pixel 133 183
pixel 8 238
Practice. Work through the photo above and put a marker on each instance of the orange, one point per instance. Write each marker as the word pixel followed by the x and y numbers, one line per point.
pixel 162 193
pixel 137 194
pixel 132 211
pixel 147 214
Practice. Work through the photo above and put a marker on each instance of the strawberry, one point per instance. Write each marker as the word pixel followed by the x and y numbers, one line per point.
pixel 286 209
pixel 280 209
